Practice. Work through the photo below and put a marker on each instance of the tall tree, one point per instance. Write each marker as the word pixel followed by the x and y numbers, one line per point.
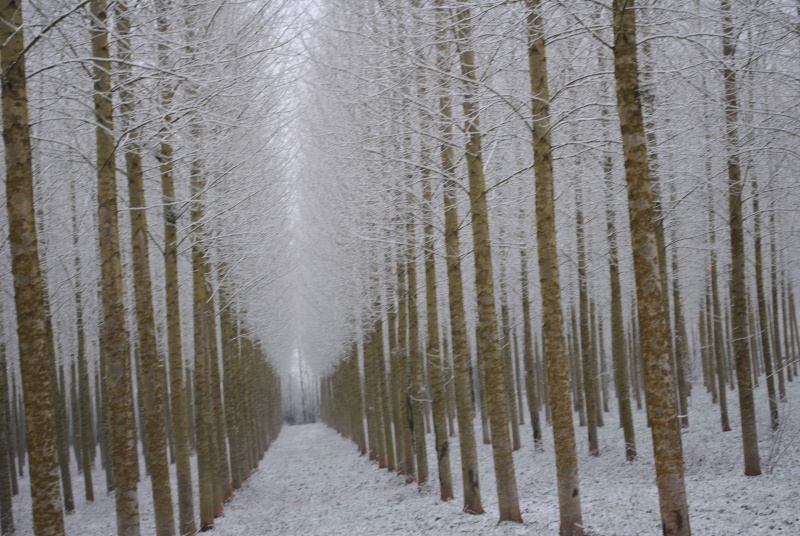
pixel 458 327
pixel 178 392
pixel 28 285
pixel 659 375
pixel 115 340
pixel 738 283
pixel 151 366
pixel 556 366
pixel 488 339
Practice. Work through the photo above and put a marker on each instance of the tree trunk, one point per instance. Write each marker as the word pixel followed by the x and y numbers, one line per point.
pixel 589 360
pixel 122 426
pixel 7 468
pixel 150 382
pixel 763 333
pixel 659 376
pixel 738 283
pixel 488 341
pixel 719 342
pixel 569 501
pixel 28 285
pixel 458 327
pixel 178 392
pixel 618 345
pixel 85 402
pixel 528 358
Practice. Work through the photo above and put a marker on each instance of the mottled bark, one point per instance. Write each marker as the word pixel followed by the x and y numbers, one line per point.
pixel 178 392
pixel 122 426
pixel 738 282
pixel 436 369
pixel 569 501
pixel 151 389
pixel 488 340
pixel 58 388
pixel 458 328
pixel 659 376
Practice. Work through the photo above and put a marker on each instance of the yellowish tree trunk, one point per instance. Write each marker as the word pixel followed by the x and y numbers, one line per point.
pixel 738 282
pixel 488 340
pixel 659 377
pixel 122 425
pixel 151 381
pixel 569 501
pixel 436 369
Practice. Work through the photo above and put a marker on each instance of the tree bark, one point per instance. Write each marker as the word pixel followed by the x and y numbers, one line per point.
pixel 556 365
pixel 659 374
pixel 122 425
pixel 436 369
pixel 488 341
pixel 738 283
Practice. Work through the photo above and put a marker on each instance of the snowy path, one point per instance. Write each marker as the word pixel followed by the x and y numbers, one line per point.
pixel 313 482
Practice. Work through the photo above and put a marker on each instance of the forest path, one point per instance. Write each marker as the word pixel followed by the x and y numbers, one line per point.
pixel 312 481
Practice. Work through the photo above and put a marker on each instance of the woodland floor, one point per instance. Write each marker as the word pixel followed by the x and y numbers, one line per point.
pixel 312 482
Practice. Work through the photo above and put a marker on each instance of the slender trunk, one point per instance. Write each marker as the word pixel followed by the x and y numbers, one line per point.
pixel 659 376
pixel 508 364
pixel 418 392
pixel 719 342
pixel 458 327
pixel 528 357
pixel 569 501
pixel 177 389
pixel 776 331
pixel 589 360
pixel 151 373
pixel 763 338
pixel 618 345
pixel 681 342
pixel 488 341
pixel 122 425
pixel 436 369
pixel 738 283
pixel 85 401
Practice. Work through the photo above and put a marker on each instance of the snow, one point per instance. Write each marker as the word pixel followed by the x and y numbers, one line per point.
pixel 313 482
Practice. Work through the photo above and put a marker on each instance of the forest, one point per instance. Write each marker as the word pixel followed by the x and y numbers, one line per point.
pixel 414 266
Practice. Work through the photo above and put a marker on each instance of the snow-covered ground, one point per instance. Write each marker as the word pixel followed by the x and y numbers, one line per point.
pixel 312 482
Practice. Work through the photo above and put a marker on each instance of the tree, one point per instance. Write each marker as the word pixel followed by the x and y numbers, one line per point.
pixel 488 341
pixel 123 440
pixel 569 502
pixel 738 283
pixel 659 375
pixel 28 285
pixel 151 389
